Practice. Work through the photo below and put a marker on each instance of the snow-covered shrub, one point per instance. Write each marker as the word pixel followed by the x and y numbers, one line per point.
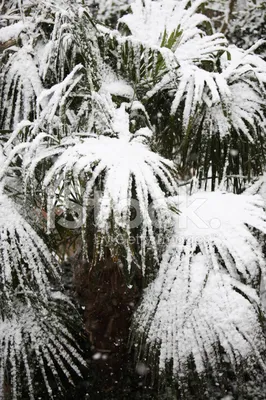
pixel 88 108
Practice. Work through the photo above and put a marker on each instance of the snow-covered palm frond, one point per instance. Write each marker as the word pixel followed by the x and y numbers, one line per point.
pixel 200 309
pixel 233 98
pixel 21 86
pixel 35 343
pixel 193 82
pixel 33 336
pixel 222 110
pixel 55 36
pixel 150 20
pixel 186 50
pixel 121 161
pixel 229 123
pixel 222 221
pixel 71 38
pixel 172 28
pixel 206 291
pixel 159 38
pixel 26 263
pixel 71 55
pixel 52 102
pixel 241 109
pixel 54 55
pixel 241 88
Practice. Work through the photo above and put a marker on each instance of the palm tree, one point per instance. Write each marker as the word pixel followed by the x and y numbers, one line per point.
pixel 142 144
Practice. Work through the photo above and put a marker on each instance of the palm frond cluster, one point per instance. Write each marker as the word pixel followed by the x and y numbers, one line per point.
pixel 28 275
pixel 122 119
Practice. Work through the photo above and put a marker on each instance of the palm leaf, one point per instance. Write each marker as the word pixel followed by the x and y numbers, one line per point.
pixel 206 291
pixel 21 86
pixel 120 162
pixel 36 342
pixel 33 332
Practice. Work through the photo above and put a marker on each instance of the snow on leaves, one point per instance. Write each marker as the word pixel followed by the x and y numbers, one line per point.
pixel 52 101
pixel 204 293
pixel 192 74
pixel 22 85
pixel 120 160
pixel 11 31
pixel 32 331
pixel 241 91
pixel 206 290
pixel 26 262
pixel 40 343
pixel 150 19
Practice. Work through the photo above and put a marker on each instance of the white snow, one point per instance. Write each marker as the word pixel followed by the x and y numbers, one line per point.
pixel 232 97
pixel 118 160
pixel 30 339
pixel 118 88
pixel 199 297
pixel 20 241
pixel 11 31
pixel 21 86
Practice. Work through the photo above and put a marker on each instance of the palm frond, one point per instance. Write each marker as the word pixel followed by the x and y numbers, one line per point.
pixel 172 31
pixel 52 102
pixel 220 111
pixel 150 20
pixel 55 43
pixel 123 163
pixel 206 293
pixel 21 86
pixel 34 343
pixel 33 331
pixel 26 263
pixel 242 95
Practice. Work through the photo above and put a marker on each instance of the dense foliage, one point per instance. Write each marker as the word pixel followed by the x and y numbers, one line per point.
pixel 133 135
